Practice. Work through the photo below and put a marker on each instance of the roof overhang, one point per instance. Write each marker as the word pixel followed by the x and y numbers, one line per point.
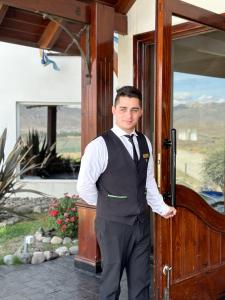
pixel 41 23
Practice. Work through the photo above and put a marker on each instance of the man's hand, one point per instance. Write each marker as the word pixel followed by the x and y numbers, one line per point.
pixel 171 213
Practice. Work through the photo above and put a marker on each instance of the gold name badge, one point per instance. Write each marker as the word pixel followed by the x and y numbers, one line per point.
pixel 145 155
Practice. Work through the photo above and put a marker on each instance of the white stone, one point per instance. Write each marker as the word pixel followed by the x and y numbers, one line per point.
pixel 38 236
pixel 23 209
pixel 8 259
pixel 73 250
pixel 29 239
pixel 37 209
pixel 46 240
pixel 62 251
pixel 38 258
pixel 49 255
pixel 56 240
pixel 67 240
pixel 75 242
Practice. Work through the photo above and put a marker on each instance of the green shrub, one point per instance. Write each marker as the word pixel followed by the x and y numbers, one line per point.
pixel 1 261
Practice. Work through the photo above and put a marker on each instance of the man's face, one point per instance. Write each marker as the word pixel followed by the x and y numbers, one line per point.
pixel 127 113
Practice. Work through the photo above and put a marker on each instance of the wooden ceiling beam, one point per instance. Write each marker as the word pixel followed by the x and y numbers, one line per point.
pixel 50 35
pixel 120 24
pixel 123 6
pixel 3 11
pixel 69 9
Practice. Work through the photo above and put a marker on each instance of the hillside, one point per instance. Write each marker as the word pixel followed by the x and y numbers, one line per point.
pixel 68 118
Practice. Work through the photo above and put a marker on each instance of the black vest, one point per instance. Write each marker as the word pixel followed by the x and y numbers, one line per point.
pixel 121 187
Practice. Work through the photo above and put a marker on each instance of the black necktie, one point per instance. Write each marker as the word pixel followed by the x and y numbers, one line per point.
pixel 130 138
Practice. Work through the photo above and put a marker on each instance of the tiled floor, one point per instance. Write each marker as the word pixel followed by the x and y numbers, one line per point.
pixel 57 279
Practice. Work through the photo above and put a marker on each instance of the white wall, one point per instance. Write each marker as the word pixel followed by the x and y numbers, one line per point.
pixel 141 18
pixel 24 79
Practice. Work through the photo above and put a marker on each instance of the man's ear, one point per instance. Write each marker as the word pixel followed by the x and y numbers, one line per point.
pixel 113 109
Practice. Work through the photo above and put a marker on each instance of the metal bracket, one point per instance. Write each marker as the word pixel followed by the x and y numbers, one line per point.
pixel 167 196
pixel 167 143
pixel 85 56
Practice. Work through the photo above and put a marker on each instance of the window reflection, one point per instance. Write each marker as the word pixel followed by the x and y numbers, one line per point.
pixel 199 114
pixel 53 135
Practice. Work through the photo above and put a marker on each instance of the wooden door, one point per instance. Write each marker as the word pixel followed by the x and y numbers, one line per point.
pixel 193 243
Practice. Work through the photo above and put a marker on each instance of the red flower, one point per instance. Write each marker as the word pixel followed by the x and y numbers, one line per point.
pixel 66 215
pixel 54 213
pixel 67 220
pixel 74 209
pixel 72 219
pixel 63 227
pixel 59 221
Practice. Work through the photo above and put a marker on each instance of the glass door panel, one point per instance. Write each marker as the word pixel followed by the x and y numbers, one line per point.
pixel 199 113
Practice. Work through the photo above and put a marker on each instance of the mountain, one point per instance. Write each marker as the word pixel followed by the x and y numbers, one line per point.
pixel 200 115
pixel 35 117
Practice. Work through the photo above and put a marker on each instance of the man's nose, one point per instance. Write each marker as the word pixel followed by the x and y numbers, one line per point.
pixel 129 113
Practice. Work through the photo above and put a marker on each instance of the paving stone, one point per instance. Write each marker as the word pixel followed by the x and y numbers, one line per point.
pixel 53 280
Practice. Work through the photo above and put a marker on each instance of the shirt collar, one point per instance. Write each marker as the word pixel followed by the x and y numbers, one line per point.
pixel 120 132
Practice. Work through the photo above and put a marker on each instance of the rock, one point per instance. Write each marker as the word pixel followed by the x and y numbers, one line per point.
pixel 23 209
pixel 38 236
pixel 67 240
pixel 38 258
pixel 25 258
pixel 46 240
pixel 56 240
pixel 75 242
pixel 37 209
pixel 3 224
pixel 50 255
pixel 12 221
pixel 8 259
pixel 62 251
pixel 73 250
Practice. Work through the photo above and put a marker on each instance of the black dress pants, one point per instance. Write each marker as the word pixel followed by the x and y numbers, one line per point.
pixel 124 247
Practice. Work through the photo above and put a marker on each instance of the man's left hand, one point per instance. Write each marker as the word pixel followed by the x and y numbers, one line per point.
pixel 171 213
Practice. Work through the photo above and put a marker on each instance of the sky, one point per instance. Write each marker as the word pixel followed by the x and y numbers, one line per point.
pixel 190 88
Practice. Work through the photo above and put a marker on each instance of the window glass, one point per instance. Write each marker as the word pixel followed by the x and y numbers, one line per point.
pixel 53 134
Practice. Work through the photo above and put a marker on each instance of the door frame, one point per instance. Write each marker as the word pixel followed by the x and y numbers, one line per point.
pixel 163 38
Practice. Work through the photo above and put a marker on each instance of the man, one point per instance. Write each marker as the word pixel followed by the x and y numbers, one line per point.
pixel 117 175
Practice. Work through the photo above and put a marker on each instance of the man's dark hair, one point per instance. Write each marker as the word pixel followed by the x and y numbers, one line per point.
pixel 129 91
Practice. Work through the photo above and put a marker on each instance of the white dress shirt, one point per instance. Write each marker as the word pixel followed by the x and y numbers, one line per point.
pixel 94 163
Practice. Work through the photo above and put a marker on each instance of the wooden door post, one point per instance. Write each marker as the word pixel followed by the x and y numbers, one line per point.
pixel 97 99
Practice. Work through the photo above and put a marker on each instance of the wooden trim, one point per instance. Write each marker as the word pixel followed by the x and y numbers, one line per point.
pixel 123 6
pixel 206 213
pixel 120 24
pixel 115 62
pixel 50 35
pixel 191 12
pixel 3 11
pixel 70 9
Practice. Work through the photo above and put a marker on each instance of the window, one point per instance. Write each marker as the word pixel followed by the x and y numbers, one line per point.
pixel 53 134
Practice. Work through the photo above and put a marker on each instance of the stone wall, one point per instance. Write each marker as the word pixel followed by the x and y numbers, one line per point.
pixel 23 206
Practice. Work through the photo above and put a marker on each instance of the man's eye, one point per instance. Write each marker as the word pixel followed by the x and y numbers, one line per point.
pixel 135 110
pixel 123 109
